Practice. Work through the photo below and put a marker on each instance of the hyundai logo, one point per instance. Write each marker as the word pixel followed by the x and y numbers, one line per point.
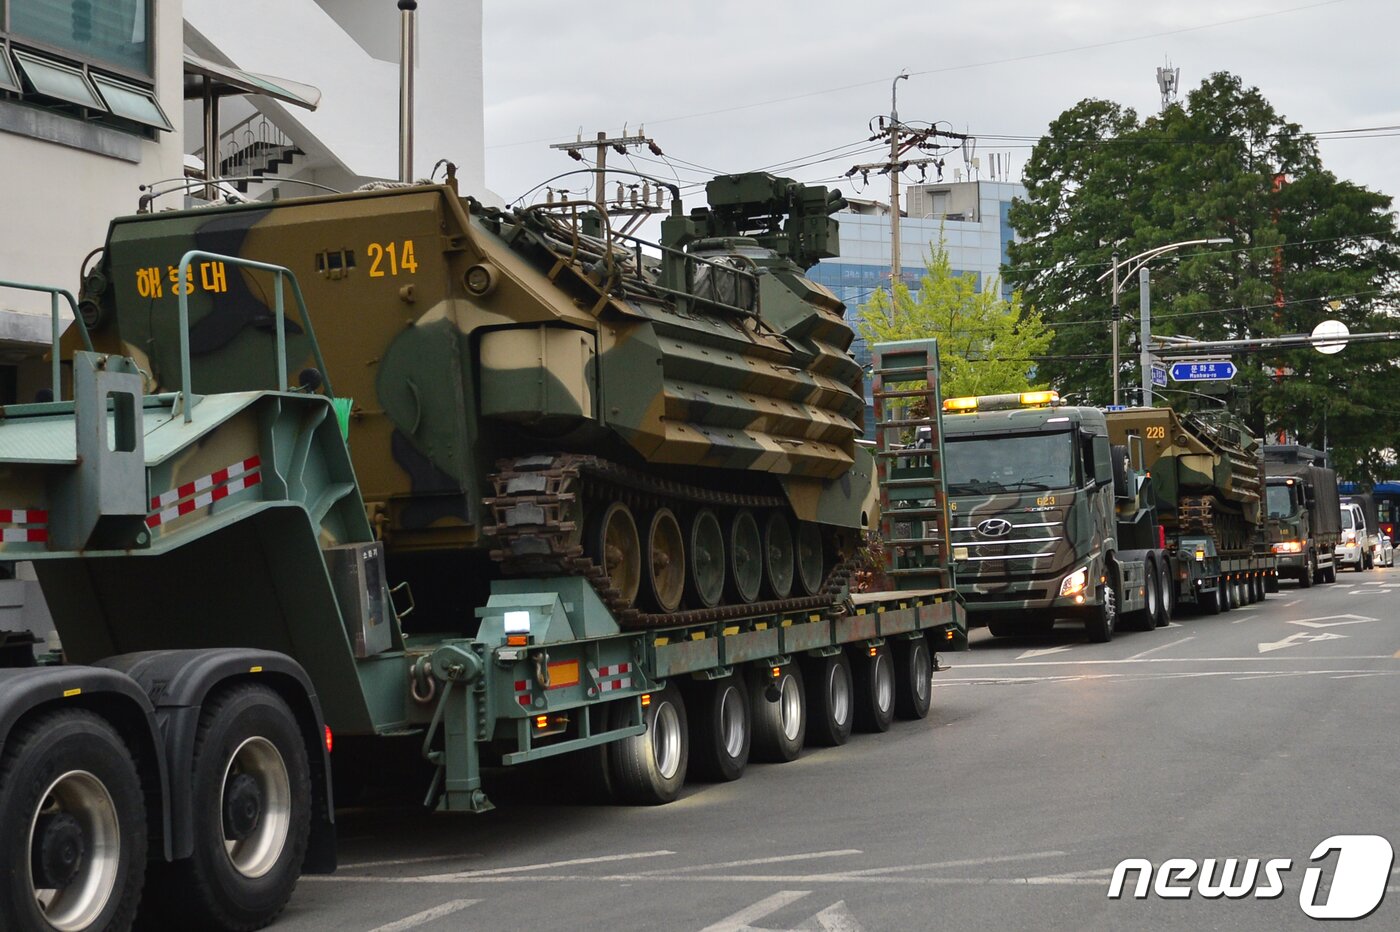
pixel 994 527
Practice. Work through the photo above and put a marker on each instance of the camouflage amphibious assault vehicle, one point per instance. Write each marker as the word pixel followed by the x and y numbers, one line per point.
pixel 535 394
pixel 1207 472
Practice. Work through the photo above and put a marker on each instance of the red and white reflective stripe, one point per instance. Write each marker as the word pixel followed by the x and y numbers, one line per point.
pixel 522 692
pixel 246 481
pixel 617 676
pixel 24 535
pixel 218 477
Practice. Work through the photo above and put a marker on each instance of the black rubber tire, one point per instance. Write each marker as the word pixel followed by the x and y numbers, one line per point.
pixel 830 700
pixel 1310 571
pixel 1208 602
pixel 1102 619
pixel 1227 595
pixel 1146 618
pixel 772 742
pixel 720 729
pixel 50 746
pixel 649 769
pixel 873 676
pixel 206 890
pixel 1271 583
pixel 913 679
pixel 1329 575
pixel 1003 629
pixel 1166 587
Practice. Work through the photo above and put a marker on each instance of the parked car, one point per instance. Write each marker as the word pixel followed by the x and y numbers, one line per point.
pixel 1354 547
pixel 1384 553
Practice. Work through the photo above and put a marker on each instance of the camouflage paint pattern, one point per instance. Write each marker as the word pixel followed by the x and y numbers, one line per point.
pixel 466 334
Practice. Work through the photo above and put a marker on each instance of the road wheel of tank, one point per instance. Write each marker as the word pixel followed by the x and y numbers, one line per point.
pixel 830 700
pixel 251 803
pixel 1103 618
pixel 649 769
pixel 720 731
pixel 744 550
pixel 1310 572
pixel 778 554
pixel 705 568
pixel 72 826
pixel 872 672
pixel 913 678
pixel 779 710
pixel 665 560
pixel 1166 589
pixel 614 544
pixel 810 567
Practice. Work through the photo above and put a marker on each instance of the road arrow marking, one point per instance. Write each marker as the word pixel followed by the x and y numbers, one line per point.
pixel 835 918
pixel 1326 622
pixel 1041 652
pixel 764 907
pixel 1293 640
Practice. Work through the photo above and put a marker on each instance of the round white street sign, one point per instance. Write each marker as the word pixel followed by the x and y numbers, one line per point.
pixel 1332 329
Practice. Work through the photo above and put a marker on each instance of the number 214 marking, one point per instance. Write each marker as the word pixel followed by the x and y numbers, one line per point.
pixel 400 256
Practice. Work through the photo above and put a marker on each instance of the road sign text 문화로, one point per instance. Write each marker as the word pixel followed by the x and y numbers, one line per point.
pixel 1204 370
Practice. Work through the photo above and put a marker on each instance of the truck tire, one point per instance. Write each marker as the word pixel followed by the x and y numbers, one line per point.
pixel 872 670
pixel 1329 575
pixel 779 709
pixel 830 700
pixel 913 679
pixel 1145 619
pixel 1309 574
pixel 720 731
pixel 649 769
pixel 70 806
pixel 1208 602
pixel 251 800
pixel 1102 619
pixel 1166 588
pixel 1228 594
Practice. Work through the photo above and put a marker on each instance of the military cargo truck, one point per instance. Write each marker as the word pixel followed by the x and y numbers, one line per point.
pixel 1302 498
pixel 1047 519
pixel 1207 476
pixel 255 581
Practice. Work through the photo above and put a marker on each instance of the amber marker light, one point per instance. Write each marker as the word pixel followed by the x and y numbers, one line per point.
pixel 1040 398
pixel 541 721
pixel 960 404
pixel 646 700
pixel 874 651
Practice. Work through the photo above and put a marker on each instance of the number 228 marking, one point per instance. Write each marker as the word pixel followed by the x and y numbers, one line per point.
pixel 1156 433
pixel 400 256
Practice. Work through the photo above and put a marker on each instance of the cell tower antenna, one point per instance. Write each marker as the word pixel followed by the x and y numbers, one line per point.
pixel 1168 80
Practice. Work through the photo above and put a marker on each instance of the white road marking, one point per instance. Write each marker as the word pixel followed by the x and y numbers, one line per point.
pixel 1111 662
pixel 835 918
pixel 423 860
pixel 524 868
pixel 922 880
pixel 426 916
pixel 763 907
pixel 1272 676
pixel 1162 647
pixel 1078 677
pixel 1352 676
pixel 966 862
pixel 778 859
pixel 1246 608
pixel 1291 604
pixel 1293 640
pixel 1326 621
pixel 1041 652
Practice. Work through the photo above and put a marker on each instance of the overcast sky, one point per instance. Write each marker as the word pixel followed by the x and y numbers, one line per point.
pixel 733 85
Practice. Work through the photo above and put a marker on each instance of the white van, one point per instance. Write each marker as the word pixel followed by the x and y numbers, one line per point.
pixel 1354 546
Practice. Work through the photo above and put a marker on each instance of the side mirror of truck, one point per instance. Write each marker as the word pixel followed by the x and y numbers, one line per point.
pixel 1103 461
pixel 1309 496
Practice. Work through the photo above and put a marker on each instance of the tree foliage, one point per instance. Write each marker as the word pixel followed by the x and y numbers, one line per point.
pixel 1307 246
pixel 986 344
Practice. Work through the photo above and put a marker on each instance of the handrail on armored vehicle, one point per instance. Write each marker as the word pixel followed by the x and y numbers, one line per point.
pixel 54 294
pixel 186 394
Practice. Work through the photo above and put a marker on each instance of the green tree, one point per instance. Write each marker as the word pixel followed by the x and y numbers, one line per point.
pixel 1307 246
pixel 986 344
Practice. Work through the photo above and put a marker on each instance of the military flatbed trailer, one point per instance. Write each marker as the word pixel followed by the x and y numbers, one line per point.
pixel 230 635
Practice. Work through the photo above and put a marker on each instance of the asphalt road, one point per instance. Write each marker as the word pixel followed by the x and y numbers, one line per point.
pixel 1045 762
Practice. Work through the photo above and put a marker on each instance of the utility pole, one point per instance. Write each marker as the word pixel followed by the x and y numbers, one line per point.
pixel 601 145
pixel 903 139
pixel 1116 399
pixel 1145 316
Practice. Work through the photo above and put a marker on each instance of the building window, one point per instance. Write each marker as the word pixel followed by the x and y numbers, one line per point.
pixel 115 33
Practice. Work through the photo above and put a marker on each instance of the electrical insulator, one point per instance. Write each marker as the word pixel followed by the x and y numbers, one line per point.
pixel 655 149
pixel 619 194
pixel 632 192
pixel 549 196
pixel 646 191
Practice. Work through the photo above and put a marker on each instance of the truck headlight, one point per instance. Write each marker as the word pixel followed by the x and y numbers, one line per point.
pixel 1348 537
pixel 1075 582
pixel 1288 546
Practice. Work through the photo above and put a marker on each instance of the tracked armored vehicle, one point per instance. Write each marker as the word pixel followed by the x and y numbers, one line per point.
pixel 534 394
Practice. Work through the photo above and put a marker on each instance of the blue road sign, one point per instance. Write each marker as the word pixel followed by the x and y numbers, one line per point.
pixel 1209 370
pixel 1159 376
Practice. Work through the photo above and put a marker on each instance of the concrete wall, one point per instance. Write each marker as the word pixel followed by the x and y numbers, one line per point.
pixel 64 179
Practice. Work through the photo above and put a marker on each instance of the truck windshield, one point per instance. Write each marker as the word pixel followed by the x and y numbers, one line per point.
pixel 1346 518
pixel 1009 463
pixel 1280 501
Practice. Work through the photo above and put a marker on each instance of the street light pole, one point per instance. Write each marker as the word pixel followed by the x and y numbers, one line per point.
pixel 1142 259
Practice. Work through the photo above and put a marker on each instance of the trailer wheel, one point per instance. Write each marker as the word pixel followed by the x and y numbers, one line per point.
pixel 830 700
pixel 649 769
pixel 913 682
pixel 1103 618
pixel 1227 594
pixel 72 825
pixel 779 710
pixel 1209 603
pixel 251 799
pixel 1166 588
pixel 1310 572
pixel 874 682
pixel 720 731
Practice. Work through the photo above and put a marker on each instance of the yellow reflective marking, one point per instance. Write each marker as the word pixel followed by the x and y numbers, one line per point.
pixel 814 618
pixel 879 609
pixel 662 642
pixel 563 673
pixel 257 669
pixel 734 629
pixel 785 623
pixel 72 692
pixel 697 635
